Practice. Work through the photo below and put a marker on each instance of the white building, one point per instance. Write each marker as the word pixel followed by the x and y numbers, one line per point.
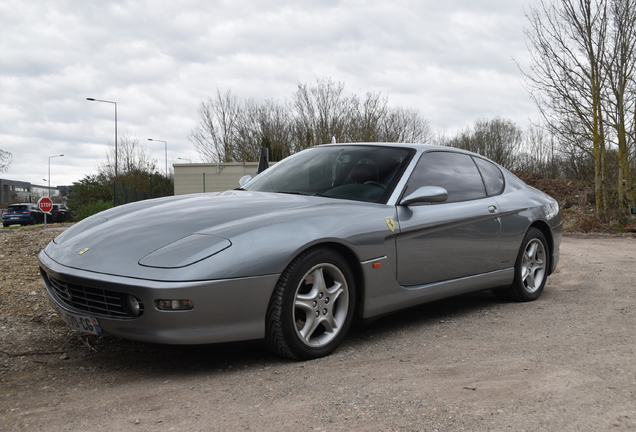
pixel 207 177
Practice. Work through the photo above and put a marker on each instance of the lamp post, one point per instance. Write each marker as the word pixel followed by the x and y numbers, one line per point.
pixel 50 172
pixel 114 103
pixel 114 183
pixel 150 139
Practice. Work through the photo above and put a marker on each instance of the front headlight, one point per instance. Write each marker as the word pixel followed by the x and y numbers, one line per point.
pixel 553 210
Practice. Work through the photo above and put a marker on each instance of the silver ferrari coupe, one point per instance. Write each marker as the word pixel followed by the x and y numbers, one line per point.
pixel 331 234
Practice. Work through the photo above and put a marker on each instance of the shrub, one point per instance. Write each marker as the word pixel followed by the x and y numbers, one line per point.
pixel 91 208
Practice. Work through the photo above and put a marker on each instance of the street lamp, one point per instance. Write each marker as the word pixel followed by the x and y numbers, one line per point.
pixel 115 103
pixel 150 139
pixel 50 172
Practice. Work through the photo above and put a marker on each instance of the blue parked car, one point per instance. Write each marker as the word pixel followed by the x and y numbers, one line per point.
pixel 22 214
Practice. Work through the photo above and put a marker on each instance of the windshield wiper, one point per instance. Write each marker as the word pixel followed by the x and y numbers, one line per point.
pixel 293 192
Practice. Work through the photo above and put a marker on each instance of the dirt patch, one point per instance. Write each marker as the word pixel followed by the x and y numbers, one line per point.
pixel 564 362
pixel 568 193
pixel 577 204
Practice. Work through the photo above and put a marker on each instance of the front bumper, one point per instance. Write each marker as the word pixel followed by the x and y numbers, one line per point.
pixel 224 310
pixel 557 236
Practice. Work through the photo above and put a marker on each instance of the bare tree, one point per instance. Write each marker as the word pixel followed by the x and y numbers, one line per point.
pixel 322 112
pixel 264 125
pixel 132 156
pixel 619 67
pixel 276 130
pixel 498 139
pixel 319 113
pixel 542 154
pixel 247 132
pixel 5 160
pixel 134 169
pixel 405 125
pixel 364 119
pixel 230 130
pixel 214 138
pixel 567 44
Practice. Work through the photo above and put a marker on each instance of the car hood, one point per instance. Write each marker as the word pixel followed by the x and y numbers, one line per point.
pixel 175 232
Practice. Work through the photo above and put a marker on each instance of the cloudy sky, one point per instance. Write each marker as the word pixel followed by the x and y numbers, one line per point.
pixel 452 60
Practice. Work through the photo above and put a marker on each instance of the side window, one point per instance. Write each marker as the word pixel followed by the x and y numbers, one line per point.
pixel 493 178
pixel 454 172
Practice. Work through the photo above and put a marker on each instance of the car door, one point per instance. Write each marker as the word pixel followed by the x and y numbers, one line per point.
pixel 449 240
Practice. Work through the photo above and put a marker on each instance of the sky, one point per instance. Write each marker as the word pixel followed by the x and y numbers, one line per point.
pixel 454 60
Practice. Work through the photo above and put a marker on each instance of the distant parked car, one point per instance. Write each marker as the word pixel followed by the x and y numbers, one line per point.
pixel 60 213
pixel 22 214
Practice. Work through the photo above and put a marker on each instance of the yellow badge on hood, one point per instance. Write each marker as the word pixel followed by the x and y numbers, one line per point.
pixel 83 251
pixel 390 223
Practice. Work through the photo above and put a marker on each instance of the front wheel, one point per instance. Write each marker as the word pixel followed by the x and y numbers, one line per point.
pixel 531 269
pixel 312 306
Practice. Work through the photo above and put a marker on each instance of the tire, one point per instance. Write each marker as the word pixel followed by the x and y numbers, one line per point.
pixel 312 306
pixel 531 269
pixel 34 220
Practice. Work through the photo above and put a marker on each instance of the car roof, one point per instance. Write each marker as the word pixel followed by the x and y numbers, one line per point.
pixel 383 144
pixel 419 147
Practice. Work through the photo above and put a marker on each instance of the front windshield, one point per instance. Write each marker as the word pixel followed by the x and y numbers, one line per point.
pixel 360 173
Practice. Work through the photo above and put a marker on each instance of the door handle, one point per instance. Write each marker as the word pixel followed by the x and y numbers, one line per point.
pixel 492 209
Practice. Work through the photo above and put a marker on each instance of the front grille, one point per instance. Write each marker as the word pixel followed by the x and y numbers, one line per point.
pixel 96 301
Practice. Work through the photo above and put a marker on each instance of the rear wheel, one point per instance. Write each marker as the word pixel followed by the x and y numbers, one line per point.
pixel 531 269
pixel 312 306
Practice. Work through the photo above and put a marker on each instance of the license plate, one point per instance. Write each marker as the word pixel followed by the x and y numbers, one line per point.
pixel 15 217
pixel 80 322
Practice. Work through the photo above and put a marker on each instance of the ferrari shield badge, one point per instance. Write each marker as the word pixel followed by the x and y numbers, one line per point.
pixel 390 223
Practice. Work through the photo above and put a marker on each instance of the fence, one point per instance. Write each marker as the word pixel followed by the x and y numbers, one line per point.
pixel 196 178
pixel 125 195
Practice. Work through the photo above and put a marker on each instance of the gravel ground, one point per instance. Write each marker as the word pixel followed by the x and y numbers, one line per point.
pixel 475 363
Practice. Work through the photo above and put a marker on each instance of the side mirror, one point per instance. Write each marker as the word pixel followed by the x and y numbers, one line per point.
pixel 244 180
pixel 426 194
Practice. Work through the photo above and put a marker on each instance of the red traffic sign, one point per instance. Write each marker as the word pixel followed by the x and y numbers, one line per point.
pixel 45 204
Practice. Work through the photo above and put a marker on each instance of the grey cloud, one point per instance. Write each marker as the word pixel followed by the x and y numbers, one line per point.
pixel 158 60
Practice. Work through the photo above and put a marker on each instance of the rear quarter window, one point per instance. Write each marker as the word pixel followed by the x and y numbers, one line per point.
pixel 493 177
